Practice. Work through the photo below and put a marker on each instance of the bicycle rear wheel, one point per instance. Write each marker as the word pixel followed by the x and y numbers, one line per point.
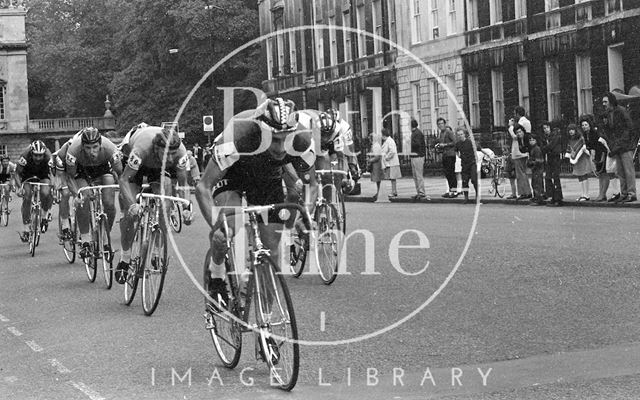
pixel 4 211
pixel 68 244
pixel 34 231
pixel 105 252
pixel 501 187
pixel 226 332
pixel 175 216
pixel 131 283
pixel 328 242
pixel 298 250
pixel 154 272
pixel 278 331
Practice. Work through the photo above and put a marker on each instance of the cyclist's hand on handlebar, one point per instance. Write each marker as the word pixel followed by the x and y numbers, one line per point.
pixel 20 192
pixel 77 201
pixel 218 241
pixel 188 216
pixel 134 210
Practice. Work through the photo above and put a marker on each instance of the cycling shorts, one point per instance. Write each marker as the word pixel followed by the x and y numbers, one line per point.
pixel 258 193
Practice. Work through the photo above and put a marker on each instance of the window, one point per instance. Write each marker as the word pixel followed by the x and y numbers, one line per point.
pixel 270 58
pixel 392 20
pixel 280 44
pixel 495 11
pixel 362 39
pixel 472 14
pixel 4 151
pixel 523 86
pixel 451 17
pixel 293 57
pixel 497 92
pixel 611 6
pixel 319 34
pixel 333 41
pixel 416 22
pixel 415 101
pixel 474 100
pixel 364 118
pixel 377 25
pixel 583 83
pixel 583 11
pixel 616 73
pixel 553 89
pixel 434 104
pixel 346 36
pixel 452 110
pixel 521 8
pixel 435 30
pixel 552 18
pixel 551 5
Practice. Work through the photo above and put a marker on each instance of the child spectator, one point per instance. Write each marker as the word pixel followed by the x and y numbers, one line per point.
pixel 579 157
pixel 536 163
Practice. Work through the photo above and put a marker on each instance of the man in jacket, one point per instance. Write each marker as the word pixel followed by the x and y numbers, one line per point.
pixel 418 153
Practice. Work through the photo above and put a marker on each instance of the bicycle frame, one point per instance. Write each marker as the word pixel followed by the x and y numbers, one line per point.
pixel 96 207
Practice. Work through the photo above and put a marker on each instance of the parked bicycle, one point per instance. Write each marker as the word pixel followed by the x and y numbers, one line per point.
pixel 5 199
pixel 498 186
pixel 148 252
pixel 274 324
pixel 100 242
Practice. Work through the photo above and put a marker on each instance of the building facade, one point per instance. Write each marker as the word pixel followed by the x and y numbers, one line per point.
pixel 556 58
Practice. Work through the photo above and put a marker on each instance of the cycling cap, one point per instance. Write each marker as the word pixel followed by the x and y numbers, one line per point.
pixel 279 114
pixel 167 137
pixel 91 135
pixel 327 126
pixel 38 147
pixel 335 114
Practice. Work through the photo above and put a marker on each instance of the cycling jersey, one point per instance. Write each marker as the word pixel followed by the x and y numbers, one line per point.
pixel 141 156
pixel 7 172
pixel 80 165
pixel 249 166
pixel 28 168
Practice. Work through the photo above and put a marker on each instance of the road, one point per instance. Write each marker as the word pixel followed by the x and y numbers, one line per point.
pixel 543 304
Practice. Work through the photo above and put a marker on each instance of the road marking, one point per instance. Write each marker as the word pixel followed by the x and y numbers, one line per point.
pixel 3 318
pixel 516 217
pixel 58 365
pixel 10 379
pixel 92 394
pixel 322 319
pixel 34 346
pixel 14 330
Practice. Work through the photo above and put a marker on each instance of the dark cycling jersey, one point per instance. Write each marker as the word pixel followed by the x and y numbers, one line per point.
pixel 5 173
pixel 28 168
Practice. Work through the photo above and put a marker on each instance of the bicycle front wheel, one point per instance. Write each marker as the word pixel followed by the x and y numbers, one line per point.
pixel 298 250
pixel 225 331
pixel 34 231
pixel 155 269
pixel 328 242
pixel 278 331
pixel 68 244
pixel 501 187
pixel 131 283
pixel 175 216
pixel 105 252
pixel 4 211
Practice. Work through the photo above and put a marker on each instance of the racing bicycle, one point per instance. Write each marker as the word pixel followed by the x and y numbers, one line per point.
pixel 5 198
pixel 498 186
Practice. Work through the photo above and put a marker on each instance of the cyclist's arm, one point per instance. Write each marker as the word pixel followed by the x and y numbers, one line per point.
pixel 204 193
pixel 126 187
pixel 181 174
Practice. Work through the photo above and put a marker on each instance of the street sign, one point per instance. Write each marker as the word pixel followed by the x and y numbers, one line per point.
pixel 207 123
pixel 181 135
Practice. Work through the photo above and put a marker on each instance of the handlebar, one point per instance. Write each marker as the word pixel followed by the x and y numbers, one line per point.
pixel 228 211
pixel 162 197
pixel 331 171
pixel 96 187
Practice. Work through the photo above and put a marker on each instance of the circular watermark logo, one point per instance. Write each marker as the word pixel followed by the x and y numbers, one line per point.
pixel 260 95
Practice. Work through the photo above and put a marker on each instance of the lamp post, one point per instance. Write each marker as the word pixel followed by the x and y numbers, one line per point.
pixel 210 8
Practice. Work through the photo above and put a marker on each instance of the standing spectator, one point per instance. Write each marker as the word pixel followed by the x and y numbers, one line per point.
pixel 579 156
pixel 598 152
pixel 375 161
pixel 418 153
pixel 519 156
pixel 510 172
pixel 536 163
pixel 464 147
pixel 390 161
pixel 446 144
pixel 617 131
pixel 553 151
pixel 198 154
pixel 544 141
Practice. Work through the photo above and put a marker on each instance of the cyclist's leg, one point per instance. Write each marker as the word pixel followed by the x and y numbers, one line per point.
pixel 26 206
pixel 46 197
pixel 108 199
pixel 82 212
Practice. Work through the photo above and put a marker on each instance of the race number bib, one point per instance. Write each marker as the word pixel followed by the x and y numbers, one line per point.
pixel 134 161
pixel 338 144
pixel 22 161
pixel 183 162
pixel 71 159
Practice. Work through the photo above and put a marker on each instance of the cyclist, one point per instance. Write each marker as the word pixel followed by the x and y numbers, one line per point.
pixel 145 151
pixel 61 182
pixel 92 160
pixel 34 163
pixel 249 156
pixel 7 172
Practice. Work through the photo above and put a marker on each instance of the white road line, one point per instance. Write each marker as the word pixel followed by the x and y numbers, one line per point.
pixel 14 330
pixel 92 394
pixel 34 346
pixel 3 318
pixel 322 319
pixel 58 365
pixel 10 379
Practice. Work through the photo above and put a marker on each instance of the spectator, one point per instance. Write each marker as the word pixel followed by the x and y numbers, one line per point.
pixel 544 141
pixel 390 161
pixel 198 153
pixel 206 154
pixel 375 161
pixel 536 163
pixel 579 156
pixel 418 153
pixel 464 147
pixel 193 172
pixel 519 155
pixel 553 150
pixel 446 144
pixel 510 172
pixel 617 134
pixel 598 152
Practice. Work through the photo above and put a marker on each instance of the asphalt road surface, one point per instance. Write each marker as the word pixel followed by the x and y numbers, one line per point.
pixel 539 303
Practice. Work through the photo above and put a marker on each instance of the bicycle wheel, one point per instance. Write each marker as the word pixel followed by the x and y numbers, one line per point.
pixel 4 211
pixel 328 242
pixel 343 212
pixel 492 187
pixel 278 332
pixel 34 231
pixel 501 187
pixel 298 250
pixel 131 284
pixel 105 252
pixel 175 216
pixel 68 244
pixel 155 269
pixel 225 332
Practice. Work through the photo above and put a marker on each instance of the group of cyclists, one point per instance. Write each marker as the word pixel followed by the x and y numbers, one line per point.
pixel 258 151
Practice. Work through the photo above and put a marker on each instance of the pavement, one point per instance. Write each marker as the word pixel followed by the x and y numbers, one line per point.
pixel 435 186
